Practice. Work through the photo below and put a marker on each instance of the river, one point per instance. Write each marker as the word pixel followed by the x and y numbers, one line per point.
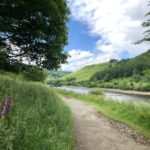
pixel 116 95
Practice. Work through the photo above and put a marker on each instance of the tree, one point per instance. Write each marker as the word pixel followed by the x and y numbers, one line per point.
pixel 146 25
pixel 34 31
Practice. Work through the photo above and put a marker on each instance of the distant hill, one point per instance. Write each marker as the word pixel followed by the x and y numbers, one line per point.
pixel 124 68
pixel 55 75
pixel 85 73
pixel 125 74
pixel 112 69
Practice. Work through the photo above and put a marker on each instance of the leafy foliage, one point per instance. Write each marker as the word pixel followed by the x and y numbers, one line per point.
pixel 33 31
pixel 35 74
pixel 125 68
pixel 26 72
pixel 146 25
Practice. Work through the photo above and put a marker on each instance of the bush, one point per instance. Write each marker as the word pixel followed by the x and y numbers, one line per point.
pixel 146 87
pixel 96 92
pixel 30 72
pixel 35 74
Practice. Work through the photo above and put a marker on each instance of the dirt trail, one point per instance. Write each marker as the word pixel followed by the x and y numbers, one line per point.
pixel 95 132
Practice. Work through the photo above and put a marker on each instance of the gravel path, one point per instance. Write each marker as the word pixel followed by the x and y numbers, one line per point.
pixel 95 132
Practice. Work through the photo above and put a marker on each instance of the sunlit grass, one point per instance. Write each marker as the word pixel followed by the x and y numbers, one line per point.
pixel 137 116
pixel 39 120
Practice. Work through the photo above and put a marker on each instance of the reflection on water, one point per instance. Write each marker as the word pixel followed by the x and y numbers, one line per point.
pixel 110 94
pixel 80 90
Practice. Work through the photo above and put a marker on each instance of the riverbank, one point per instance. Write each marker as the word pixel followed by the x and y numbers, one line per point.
pixel 113 94
pixel 134 115
pixel 129 92
pixel 92 128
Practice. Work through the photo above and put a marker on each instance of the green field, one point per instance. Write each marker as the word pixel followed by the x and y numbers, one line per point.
pixel 38 118
pixel 137 116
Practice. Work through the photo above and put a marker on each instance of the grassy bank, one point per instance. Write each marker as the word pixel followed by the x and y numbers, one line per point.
pixel 135 115
pixel 38 118
pixel 130 83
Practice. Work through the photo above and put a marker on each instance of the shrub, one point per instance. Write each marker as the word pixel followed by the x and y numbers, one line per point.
pixel 96 92
pixel 35 74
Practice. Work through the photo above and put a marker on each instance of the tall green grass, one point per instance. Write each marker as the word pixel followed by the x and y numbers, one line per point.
pixel 39 120
pixel 11 75
pixel 137 116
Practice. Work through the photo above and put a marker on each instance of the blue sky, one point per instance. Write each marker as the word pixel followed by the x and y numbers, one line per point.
pixel 79 37
pixel 99 32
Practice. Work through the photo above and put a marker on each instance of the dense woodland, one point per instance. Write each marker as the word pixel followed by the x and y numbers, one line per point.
pixel 124 68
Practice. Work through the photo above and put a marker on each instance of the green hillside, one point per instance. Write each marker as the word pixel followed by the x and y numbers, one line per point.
pixel 133 74
pixel 85 73
pixel 120 69
pixel 125 68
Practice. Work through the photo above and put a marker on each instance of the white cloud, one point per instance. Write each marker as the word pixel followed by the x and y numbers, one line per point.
pixel 117 22
pixel 81 58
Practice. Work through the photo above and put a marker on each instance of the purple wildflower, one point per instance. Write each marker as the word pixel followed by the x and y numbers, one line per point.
pixel 5 107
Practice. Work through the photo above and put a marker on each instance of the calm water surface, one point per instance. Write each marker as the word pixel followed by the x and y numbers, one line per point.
pixel 110 94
